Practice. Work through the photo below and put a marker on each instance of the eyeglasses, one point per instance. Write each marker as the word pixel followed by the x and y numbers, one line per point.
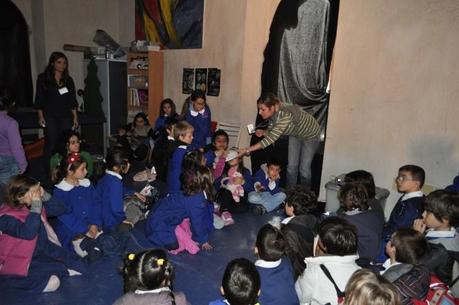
pixel 404 178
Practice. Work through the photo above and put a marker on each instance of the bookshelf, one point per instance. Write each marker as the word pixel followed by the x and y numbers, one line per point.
pixel 144 84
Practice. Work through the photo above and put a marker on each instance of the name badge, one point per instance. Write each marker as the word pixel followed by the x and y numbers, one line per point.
pixel 63 90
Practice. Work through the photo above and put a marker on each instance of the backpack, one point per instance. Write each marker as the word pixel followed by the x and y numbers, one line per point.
pixel 438 294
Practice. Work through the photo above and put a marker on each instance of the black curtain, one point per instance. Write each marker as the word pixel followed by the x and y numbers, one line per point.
pixel 14 53
pixel 312 98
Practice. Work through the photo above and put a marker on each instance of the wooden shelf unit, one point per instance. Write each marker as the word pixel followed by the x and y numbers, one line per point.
pixel 154 75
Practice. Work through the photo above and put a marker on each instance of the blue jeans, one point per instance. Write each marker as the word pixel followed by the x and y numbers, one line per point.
pixel 300 155
pixel 8 168
pixel 270 202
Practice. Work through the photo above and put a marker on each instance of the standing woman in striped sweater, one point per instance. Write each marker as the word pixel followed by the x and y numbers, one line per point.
pixel 289 120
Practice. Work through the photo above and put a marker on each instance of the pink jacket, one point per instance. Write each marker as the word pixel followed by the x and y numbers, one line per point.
pixel 16 253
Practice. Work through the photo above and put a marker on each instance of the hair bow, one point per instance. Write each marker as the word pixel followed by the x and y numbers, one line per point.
pixel 73 157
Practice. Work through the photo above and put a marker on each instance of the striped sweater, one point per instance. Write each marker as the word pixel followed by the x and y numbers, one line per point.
pixel 291 120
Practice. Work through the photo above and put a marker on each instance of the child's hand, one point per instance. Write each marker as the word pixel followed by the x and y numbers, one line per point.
pixel 206 246
pixel 419 225
pixel 140 196
pixel 259 187
pixel 92 232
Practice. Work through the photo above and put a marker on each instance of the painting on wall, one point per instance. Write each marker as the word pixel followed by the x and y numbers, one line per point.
pixel 201 80
pixel 173 24
pixel 213 82
pixel 188 81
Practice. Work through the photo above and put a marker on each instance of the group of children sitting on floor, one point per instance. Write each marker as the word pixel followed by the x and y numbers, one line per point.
pixel 307 258
pixel 310 258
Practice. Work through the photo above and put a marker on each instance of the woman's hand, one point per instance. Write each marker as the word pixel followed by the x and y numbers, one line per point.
pixel 206 246
pixel 75 124
pixel 260 133
pixel 243 152
pixel 419 225
pixel 41 119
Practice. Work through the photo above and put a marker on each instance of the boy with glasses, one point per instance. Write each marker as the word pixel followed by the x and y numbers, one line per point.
pixel 410 205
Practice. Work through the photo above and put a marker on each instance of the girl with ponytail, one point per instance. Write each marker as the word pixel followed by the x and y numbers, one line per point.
pixel 148 279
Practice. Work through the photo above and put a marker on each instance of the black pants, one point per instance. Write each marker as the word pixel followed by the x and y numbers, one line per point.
pixel 227 203
pixel 55 127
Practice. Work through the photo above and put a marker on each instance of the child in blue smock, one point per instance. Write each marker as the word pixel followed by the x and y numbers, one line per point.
pixel 84 216
pixel 111 191
pixel 193 203
pixel 198 115
pixel 167 111
pixel 183 135
pixel 275 269
pixel 267 195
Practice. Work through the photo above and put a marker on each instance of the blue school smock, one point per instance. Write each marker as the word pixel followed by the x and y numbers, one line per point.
pixel 170 211
pixel 277 285
pixel 84 209
pixel 110 190
pixel 160 122
pixel 201 122
pixel 262 177
pixel 175 169
pixel 403 214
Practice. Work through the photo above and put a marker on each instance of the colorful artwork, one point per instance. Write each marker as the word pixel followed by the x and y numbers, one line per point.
pixel 174 24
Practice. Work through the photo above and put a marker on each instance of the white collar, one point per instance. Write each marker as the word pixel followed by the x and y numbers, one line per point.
pixel 387 265
pixel 170 138
pixel 65 186
pixel 114 174
pixel 266 264
pixel 441 234
pixel 353 212
pixel 159 290
pixel 287 220
pixel 195 113
pixel 412 195
pixel 182 146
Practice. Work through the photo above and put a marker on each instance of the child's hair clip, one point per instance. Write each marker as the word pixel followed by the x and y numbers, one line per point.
pixel 131 256
pixel 73 157
pixel 160 261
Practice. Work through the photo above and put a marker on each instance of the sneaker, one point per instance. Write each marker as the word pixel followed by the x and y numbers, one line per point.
pixel 227 218
pixel 259 210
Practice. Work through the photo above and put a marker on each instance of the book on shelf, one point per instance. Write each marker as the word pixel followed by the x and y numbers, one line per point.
pixel 138 97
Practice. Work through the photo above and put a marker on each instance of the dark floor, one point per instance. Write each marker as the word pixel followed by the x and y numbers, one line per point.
pixel 198 276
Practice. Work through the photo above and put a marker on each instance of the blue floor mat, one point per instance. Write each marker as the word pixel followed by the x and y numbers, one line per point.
pixel 198 276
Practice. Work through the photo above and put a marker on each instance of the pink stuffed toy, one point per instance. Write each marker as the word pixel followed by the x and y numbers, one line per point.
pixel 234 183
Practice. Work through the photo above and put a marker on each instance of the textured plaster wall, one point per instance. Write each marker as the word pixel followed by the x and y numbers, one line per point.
pixel 235 35
pixel 395 92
